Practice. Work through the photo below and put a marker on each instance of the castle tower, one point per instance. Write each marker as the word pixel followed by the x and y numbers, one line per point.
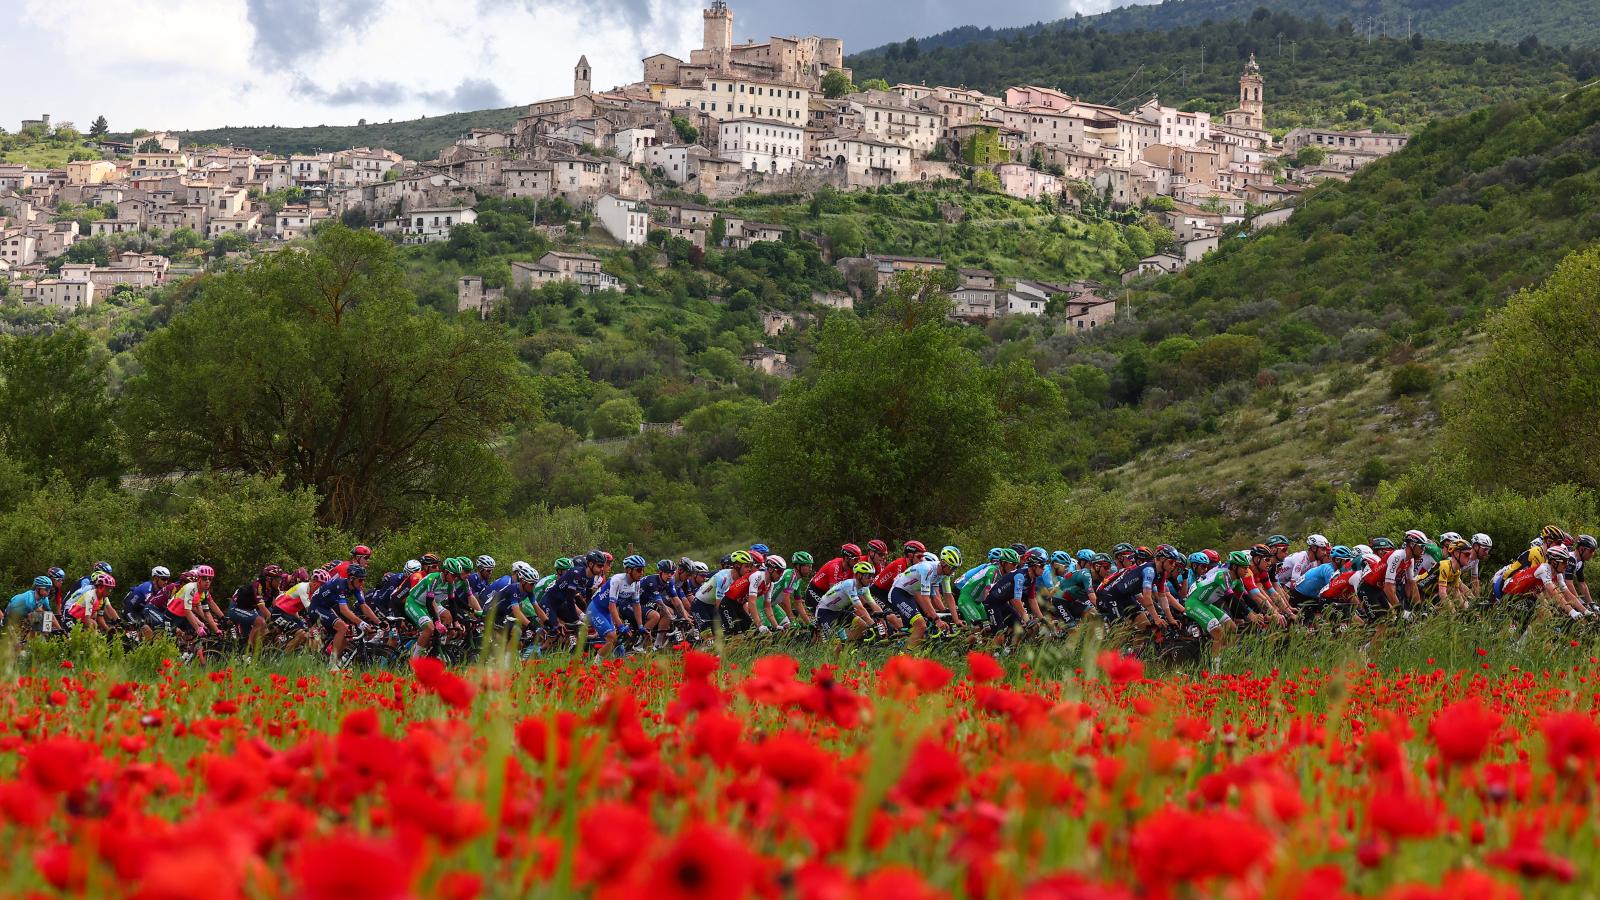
pixel 719 31
pixel 1251 102
pixel 581 77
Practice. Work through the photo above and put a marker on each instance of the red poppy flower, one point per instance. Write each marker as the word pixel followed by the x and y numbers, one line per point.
pixel 933 777
pixel 350 867
pixel 982 667
pixel 702 863
pixel 1175 846
pixel 1120 668
pixel 1462 731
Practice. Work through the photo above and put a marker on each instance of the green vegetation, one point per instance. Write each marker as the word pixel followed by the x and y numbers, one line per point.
pixel 1323 75
pixel 413 138
pixel 44 148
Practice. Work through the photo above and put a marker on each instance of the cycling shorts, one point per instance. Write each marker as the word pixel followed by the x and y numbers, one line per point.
pixel 704 614
pixel 600 621
pixel 244 618
pixel 1001 616
pixel 904 605
pixel 827 618
pixel 281 619
pixel 1204 614
pixel 325 615
pixel 418 615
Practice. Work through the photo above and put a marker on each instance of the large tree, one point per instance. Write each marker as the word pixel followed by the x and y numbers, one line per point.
pixel 315 364
pixel 1530 414
pixel 54 411
pixel 895 427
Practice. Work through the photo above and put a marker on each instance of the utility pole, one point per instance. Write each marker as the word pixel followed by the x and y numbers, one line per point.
pixel 1202 60
pixel 1280 45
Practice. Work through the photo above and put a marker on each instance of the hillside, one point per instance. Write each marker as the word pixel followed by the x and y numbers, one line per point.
pixel 1556 22
pixel 413 138
pixel 1317 73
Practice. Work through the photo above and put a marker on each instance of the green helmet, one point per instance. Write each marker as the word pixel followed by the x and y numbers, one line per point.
pixel 1010 556
pixel 563 563
pixel 801 558
pixel 1239 558
pixel 457 565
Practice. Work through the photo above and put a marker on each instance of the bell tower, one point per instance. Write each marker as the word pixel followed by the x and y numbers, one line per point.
pixel 1251 102
pixel 581 79
pixel 719 32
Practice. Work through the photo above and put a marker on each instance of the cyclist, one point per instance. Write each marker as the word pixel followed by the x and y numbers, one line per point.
pixel 877 553
pixel 88 580
pixel 482 579
pixel 768 616
pixel 883 582
pixel 1006 599
pixel 1582 551
pixel 331 605
pixel 1482 546
pixel 971 587
pixel 88 605
pixel 428 605
pixel 849 595
pixel 27 609
pixel 787 588
pixel 1295 566
pixel 1401 572
pixel 1548 581
pixel 912 595
pixel 1131 592
pixel 191 607
pixel 139 606
pixel 360 555
pixel 1446 581
pixel 832 572
pixel 1305 594
pixel 1203 605
pixel 1263 560
pixel 616 605
pixel 1077 597
pixel 657 596
pixel 707 606
pixel 58 580
pixel 248 609
pixel 1531 558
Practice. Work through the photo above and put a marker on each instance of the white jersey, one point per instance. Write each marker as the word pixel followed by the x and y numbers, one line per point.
pixel 621 590
pixel 921 579
pixel 843 595
pixel 1294 567
pixel 715 588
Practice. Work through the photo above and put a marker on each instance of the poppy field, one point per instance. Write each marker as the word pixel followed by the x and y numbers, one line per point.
pixel 686 775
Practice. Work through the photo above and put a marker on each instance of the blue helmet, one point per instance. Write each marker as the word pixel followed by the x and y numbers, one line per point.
pixel 634 562
pixel 994 553
pixel 1061 558
pixel 1342 552
pixel 103 567
pixel 1086 555
pixel 43 581
pixel 665 566
pixel 57 572
pixel 762 549
pixel 1199 559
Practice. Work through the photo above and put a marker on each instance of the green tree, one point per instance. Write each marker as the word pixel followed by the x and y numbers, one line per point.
pixel 618 417
pixel 847 237
pixel 319 367
pixel 1310 155
pixel 1528 415
pixel 836 84
pixel 874 84
pixel 55 415
pixel 718 231
pixel 896 425
pixel 985 180
pixel 686 132
pixel 99 128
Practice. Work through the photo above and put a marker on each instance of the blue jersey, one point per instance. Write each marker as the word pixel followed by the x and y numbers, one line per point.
pixel 1312 582
pixel 138 599
pixel 569 593
pixel 337 592
pixel 504 593
pixel 1130 582
pixel 1007 588
pixel 23 604
pixel 655 589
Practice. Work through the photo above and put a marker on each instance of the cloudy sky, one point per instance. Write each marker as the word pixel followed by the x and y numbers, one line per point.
pixel 206 63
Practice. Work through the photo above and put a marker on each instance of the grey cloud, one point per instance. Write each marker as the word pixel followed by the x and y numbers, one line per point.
pixel 471 93
pixel 351 93
pixel 287 30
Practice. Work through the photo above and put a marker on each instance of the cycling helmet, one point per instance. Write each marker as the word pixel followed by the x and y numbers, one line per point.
pixel 1277 540
pixel 323 575
pixel 101 579
pixel 300 574
pixel 1449 536
pixel 356 570
pixel 1020 547
pixel 777 563
pixel 801 558
pixel 762 549
pixel 757 557
pixel 1458 546
pixel 951 557
pixel 1122 548
pixel 563 563
pixel 1260 551
pixel 200 572
pixel 685 562
pixel 1040 551
pixel 431 559
pixel 634 561
pixel 1361 551
pixel 1586 540
pixel 1553 535
pixel 665 566
pixel 103 567
pixel 455 566
pixel 1558 554
pixel 1212 555
pixel 524 572
pixel 608 557
pixel 1242 558
pixel 877 545
pixel 1008 555
pixel 56 572
pixel 412 567
pixel 696 567
pixel 1086 555
pixel 994 553
pixel 864 568
pixel 1061 558
pixel 595 557
pixel 1035 555
pixel 1167 551
pixel 1382 543
pixel 1415 536
pixel 915 547
pixel 361 550
pixel 43 581
pixel 850 551
pixel 164 572
pixel 1199 558
pixel 1342 553
pixel 930 557
pixel 1482 540
pixel 485 561
pixel 1142 553
pixel 1100 559
pixel 1317 541
pixel 741 558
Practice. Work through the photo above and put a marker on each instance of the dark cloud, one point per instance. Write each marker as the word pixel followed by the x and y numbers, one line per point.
pixel 352 93
pixel 471 93
pixel 287 30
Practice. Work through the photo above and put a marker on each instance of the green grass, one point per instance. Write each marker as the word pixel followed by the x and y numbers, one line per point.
pixel 38 157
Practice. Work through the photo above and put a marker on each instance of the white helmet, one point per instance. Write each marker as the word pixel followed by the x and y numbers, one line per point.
pixel 160 572
pixel 1449 536
pixel 1362 551
pixel 1482 540
pixel 699 568
pixel 1317 541
pixel 931 558
pixel 521 571
pixel 413 567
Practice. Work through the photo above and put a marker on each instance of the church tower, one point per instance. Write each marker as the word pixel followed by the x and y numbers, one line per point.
pixel 1250 96
pixel 719 33
pixel 581 79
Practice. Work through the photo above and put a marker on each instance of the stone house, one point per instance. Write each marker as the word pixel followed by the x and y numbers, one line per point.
pixel 472 295
pixel 762 145
pixel 426 225
pixel 626 220
pixel 563 266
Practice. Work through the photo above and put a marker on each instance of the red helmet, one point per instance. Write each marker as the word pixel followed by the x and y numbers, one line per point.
pixel 877 545
pixel 916 547
pixel 361 550
pixel 759 557
pixel 850 551
pixel 1214 556
pixel 204 572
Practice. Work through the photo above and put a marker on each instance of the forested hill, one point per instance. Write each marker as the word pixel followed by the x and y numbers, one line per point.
pixel 1557 22
pixel 1317 73
pixel 412 138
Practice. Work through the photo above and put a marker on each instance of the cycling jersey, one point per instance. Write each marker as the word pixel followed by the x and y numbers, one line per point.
pixel 23 605
pixel 1121 592
pixel 922 578
pixel 715 588
pixel 1446 573
pixel 788 582
pixel 843 595
pixel 569 594
pixel 1528 580
pixel 291 601
pixel 886 575
pixel 1203 606
pixel 1078 586
pixel 1531 558
pixel 187 598
pixel 247 596
pixel 654 590
pixel 1311 583
pixel 138 599
pixel 83 603
pixel 1400 567
pixel 1294 567
pixel 831 573
pixel 335 593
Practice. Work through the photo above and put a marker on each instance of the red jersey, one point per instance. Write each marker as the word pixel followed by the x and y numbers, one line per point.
pixel 1373 577
pixel 833 572
pixel 886 575
pixel 739 590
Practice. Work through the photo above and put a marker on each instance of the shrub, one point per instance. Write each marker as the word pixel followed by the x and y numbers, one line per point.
pixel 1411 378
